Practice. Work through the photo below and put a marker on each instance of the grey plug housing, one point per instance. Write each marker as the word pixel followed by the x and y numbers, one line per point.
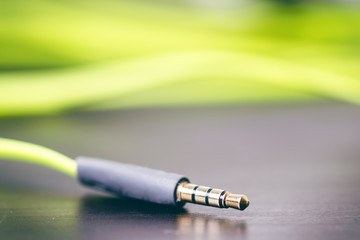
pixel 129 180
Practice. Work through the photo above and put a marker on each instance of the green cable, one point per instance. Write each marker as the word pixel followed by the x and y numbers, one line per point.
pixel 32 153
pixel 140 54
pixel 199 77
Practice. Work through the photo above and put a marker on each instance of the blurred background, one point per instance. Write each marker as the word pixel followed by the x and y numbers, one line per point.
pixel 58 56
pixel 256 97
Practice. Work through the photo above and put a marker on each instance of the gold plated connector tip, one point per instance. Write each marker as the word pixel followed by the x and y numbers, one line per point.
pixel 237 201
pixel 244 203
pixel 187 192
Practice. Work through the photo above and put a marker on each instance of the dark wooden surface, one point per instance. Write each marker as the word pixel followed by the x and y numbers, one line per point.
pixel 299 164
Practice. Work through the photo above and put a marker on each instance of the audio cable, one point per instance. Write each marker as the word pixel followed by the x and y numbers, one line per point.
pixel 122 179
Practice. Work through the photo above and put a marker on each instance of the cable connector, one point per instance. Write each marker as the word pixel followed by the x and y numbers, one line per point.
pixel 187 192
pixel 152 185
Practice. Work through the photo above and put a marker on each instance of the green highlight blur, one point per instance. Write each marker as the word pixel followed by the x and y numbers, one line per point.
pixel 57 56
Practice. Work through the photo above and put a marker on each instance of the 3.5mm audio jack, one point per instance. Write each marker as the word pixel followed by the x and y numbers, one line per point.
pixel 152 185
pixel 188 192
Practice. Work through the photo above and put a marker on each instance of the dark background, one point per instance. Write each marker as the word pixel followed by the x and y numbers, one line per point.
pixel 298 164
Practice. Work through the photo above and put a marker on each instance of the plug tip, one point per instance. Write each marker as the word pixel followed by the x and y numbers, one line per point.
pixel 244 202
pixel 238 201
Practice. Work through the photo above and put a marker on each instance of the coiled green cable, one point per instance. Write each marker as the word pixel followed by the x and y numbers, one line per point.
pixel 32 153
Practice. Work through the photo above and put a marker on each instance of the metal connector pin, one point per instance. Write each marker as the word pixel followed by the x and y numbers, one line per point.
pixel 187 192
